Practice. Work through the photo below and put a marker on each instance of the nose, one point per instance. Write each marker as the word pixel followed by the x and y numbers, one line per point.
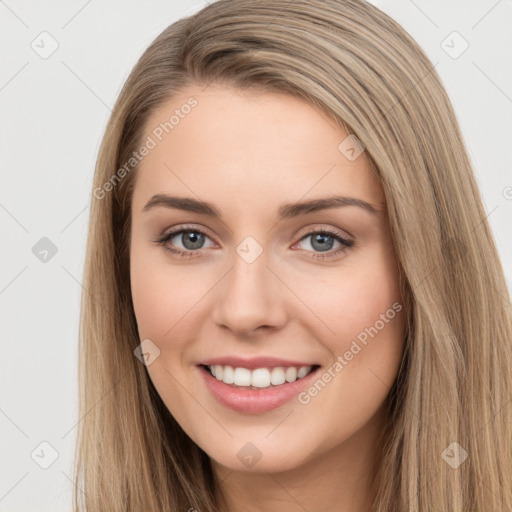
pixel 250 298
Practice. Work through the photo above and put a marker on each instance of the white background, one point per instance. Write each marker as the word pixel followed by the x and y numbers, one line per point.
pixel 53 114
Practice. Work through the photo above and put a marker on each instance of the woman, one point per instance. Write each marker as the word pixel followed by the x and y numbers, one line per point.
pixel 294 301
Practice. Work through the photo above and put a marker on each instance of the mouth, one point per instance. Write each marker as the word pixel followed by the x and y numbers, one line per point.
pixel 258 390
pixel 259 378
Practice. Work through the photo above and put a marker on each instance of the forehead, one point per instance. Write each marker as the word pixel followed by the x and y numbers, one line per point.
pixel 236 145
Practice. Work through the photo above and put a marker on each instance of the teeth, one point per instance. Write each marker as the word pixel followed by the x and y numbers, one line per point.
pixel 302 372
pixel 277 376
pixel 228 375
pixel 242 377
pixel 290 374
pixel 259 378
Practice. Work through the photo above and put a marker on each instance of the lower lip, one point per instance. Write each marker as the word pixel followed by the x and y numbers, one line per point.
pixel 254 400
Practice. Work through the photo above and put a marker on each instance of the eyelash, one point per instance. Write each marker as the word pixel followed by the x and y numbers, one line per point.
pixel 345 243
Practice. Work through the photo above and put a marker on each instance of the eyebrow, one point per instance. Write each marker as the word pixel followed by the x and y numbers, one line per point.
pixel 286 211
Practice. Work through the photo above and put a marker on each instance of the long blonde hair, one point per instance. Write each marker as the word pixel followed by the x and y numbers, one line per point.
pixel 361 68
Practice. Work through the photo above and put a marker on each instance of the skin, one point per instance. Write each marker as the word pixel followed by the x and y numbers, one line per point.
pixel 248 153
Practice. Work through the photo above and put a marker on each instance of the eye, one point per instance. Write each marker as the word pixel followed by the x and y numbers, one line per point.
pixel 191 239
pixel 323 240
pixel 192 242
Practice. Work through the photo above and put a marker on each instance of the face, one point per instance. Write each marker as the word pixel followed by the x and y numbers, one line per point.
pixel 295 309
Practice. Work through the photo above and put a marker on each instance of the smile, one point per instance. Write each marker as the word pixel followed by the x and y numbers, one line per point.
pixel 260 377
pixel 258 390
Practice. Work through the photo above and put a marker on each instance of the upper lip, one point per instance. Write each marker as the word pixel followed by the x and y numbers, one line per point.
pixel 254 362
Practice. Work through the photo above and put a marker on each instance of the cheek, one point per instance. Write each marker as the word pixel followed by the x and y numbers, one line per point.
pixel 355 297
pixel 165 299
pixel 153 307
pixel 364 313
pixel 362 317
pixel 164 294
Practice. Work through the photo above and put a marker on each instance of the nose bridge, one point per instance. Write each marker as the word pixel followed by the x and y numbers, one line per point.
pixel 249 295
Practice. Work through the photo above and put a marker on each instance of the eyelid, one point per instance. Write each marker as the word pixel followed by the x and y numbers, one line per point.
pixel 346 242
pixel 187 227
pixel 300 234
pixel 333 231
